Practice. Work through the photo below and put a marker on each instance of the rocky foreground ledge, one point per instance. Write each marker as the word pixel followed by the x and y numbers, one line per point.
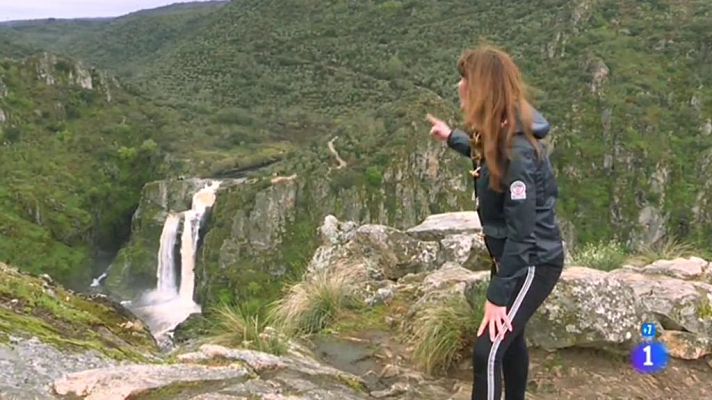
pixel 438 261
pixel 408 273
pixel 217 373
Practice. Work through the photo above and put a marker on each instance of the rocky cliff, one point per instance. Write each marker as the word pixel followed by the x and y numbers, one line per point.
pixel 263 231
pixel 588 307
pixel 425 280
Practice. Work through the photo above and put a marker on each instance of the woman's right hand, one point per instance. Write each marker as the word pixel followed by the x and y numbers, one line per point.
pixel 440 130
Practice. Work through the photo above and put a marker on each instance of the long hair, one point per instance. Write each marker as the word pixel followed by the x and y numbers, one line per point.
pixel 495 105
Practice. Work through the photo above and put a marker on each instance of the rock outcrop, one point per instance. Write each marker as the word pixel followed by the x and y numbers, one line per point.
pixel 47 331
pixel 374 255
pixel 215 372
pixel 588 308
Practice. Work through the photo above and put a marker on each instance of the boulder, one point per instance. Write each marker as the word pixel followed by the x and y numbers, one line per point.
pixel 120 383
pixel 450 281
pixel 437 227
pixel 686 345
pixel 673 303
pixel 466 249
pixel 587 308
pixel 396 253
pixel 591 308
pixel 689 269
pixel 218 372
pixel 372 252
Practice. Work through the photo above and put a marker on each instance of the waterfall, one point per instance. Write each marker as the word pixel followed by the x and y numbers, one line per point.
pixel 202 200
pixel 166 271
pixel 170 303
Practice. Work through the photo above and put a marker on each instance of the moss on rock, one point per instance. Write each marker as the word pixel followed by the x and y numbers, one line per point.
pixel 35 306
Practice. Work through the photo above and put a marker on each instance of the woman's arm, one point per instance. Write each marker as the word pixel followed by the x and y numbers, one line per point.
pixel 460 142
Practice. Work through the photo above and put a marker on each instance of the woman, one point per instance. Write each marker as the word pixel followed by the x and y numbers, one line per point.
pixel 516 192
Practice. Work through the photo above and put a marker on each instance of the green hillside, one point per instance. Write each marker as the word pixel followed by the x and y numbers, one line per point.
pixel 77 149
pixel 626 84
pixel 125 45
pixel 639 125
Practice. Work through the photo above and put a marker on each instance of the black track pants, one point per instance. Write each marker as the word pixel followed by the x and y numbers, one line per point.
pixel 509 355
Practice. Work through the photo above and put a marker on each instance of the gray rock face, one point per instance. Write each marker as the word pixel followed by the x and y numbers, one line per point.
pixel 466 249
pixel 689 269
pixel 452 279
pixel 377 252
pixel 119 383
pixel 587 308
pixel 28 366
pixel 82 77
pixel 397 253
pixel 372 252
pixel 242 374
pixel 605 310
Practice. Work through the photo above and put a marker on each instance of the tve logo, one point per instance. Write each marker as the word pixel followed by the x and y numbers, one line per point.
pixel 650 357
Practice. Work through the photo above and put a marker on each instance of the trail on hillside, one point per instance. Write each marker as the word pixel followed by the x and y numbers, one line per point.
pixel 332 150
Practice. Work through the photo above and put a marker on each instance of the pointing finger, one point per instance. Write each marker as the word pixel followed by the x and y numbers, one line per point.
pixel 432 119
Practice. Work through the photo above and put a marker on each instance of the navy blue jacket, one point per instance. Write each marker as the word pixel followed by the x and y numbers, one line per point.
pixel 519 223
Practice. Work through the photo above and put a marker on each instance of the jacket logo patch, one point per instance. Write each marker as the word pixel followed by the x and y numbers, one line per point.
pixel 518 190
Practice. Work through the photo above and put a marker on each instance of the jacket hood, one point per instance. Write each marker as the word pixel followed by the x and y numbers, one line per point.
pixel 540 126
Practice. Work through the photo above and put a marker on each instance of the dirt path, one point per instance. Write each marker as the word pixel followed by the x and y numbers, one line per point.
pixel 335 153
pixel 580 374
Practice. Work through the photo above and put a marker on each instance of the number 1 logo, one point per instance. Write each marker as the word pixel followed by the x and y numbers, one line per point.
pixel 650 358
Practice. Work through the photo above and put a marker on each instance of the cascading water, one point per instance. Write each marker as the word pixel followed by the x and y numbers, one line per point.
pixel 166 271
pixel 202 201
pixel 172 301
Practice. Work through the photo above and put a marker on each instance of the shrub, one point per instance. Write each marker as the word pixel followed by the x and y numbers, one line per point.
pixel 602 255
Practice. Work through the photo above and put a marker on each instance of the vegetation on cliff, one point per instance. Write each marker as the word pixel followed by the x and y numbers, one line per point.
pixel 625 84
pixel 33 306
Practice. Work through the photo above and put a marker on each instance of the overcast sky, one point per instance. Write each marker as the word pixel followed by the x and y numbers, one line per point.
pixel 34 9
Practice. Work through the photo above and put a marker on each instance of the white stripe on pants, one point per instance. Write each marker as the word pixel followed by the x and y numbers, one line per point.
pixel 495 346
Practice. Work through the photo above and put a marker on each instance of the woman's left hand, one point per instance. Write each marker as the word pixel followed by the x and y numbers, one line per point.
pixel 496 318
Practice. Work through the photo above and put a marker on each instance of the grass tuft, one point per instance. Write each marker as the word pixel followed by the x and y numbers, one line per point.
pixel 314 304
pixel 603 256
pixel 235 327
pixel 665 249
pixel 442 332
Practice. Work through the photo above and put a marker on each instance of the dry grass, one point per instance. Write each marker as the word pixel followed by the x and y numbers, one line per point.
pixel 235 327
pixel 313 304
pixel 665 249
pixel 442 332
